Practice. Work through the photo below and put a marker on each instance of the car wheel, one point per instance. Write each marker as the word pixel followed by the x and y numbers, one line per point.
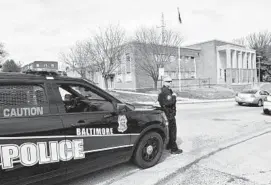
pixel 149 150
pixel 266 111
pixel 239 103
pixel 260 103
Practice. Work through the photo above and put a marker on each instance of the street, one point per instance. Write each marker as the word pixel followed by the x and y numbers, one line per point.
pixel 211 135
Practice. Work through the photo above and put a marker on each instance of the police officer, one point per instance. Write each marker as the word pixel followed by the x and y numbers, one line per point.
pixel 167 101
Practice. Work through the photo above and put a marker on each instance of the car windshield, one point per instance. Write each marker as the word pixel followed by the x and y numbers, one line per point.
pixel 250 92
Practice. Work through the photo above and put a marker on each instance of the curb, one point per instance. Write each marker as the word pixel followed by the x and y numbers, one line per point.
pixel 205 101
pixel 130 92
pixel 179 99
pixel 179 163
pixel 189 102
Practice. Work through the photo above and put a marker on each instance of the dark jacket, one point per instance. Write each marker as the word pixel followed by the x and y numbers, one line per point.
pixel 167 101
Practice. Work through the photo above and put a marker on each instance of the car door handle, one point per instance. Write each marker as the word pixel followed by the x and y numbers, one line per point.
pixel 107 115
pixel 80 122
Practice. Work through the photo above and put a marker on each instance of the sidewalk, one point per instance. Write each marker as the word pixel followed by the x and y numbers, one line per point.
pixel 163 172
pixel 180 100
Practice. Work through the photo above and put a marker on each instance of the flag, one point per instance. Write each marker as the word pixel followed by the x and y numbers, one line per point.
pixel 180 20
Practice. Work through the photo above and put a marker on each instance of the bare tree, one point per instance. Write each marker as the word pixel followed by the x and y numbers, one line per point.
pixel 155 50
pixel 240 41
pixel 106 48
pixel 261 42
pixel 3 52
pixel 78 59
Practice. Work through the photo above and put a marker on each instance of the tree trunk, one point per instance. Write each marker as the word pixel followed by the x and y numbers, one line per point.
pixel 155 84
pixel 106 83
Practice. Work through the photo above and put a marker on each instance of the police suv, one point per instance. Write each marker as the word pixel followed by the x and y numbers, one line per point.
pixel 53 128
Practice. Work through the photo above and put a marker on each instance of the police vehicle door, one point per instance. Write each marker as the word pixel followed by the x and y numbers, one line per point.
pixel 30 133
pixel 92 120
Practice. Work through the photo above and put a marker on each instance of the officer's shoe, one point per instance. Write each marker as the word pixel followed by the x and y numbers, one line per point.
pixel 178 151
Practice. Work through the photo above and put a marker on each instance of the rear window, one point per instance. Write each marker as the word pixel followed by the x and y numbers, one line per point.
pixel 250 92
pixel 22 95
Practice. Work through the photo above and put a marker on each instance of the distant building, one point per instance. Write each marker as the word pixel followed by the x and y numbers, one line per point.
pixel 41 65
pixel 217 61
pixel 131 76
pixel 226 63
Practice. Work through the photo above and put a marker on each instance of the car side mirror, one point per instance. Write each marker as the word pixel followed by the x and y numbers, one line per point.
pixel 121 107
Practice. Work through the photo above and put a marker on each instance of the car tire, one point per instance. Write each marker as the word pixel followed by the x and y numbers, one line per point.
pixel 266 111
pixel 149 150
pixel 239 103
pixel 260 103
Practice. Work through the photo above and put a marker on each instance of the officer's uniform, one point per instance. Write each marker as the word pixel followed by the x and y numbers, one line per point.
pixel 167 102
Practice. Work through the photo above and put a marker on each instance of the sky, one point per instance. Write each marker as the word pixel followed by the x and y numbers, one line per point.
pixel 42 29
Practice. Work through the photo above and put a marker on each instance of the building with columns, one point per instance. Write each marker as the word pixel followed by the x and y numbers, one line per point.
pixel 226 63
pixel 222 62
pixel 236 65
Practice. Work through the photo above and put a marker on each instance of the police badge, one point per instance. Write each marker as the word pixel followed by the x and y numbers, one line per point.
pixel 122 120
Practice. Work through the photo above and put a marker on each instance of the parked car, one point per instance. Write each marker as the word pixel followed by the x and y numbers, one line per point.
pixel 252 97
pixel 53 128
pixel 267 105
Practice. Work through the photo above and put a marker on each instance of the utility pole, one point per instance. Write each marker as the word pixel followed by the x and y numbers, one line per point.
pixel 163 26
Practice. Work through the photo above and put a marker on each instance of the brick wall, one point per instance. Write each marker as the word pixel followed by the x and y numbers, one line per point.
pixel 207 66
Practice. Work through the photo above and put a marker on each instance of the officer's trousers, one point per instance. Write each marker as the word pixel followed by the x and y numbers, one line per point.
pixel 172 145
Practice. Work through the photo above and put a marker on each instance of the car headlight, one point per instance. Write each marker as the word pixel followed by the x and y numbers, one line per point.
pixel 165 120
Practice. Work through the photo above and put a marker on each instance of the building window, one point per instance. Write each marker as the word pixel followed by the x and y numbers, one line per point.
pixel 172 59
pixel 128 77
pixel 186 58
pixel 128 67
pixel 128 58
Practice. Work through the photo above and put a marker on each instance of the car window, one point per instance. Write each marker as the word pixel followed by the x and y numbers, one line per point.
pixel 250 92
pixel 265 93
pixel 80 98
pixel 22 95
pixel 22 100
pixel 86 92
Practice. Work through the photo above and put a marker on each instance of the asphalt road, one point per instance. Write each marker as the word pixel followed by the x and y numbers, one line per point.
pixel 200 127
pixel 245 164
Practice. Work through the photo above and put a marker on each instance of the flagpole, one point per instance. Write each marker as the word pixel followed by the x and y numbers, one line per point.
pixel 179 67
pixel 179 55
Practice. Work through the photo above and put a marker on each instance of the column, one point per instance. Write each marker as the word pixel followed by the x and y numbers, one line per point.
pixel 195 64
pixel 240 66
pixel 254 67
pixel 218 66
pixel 229 66
pixel 250 67
pixel 234 66
pixel 244 67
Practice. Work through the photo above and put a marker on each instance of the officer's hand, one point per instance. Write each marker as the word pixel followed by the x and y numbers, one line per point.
pixel 174 94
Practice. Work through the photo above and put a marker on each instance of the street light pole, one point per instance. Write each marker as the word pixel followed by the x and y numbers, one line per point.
pixel 259 57
pixel 179 68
